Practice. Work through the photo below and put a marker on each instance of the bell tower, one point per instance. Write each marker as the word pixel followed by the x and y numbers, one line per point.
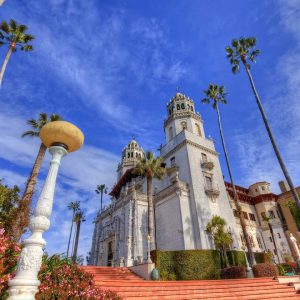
pixel 182 116
pixel 130 155
pixel 193 156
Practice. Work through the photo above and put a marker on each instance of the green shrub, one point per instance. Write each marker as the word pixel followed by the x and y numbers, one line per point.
pixel 237 258
pixel 234 272
pixel 188 264
pixel 265 270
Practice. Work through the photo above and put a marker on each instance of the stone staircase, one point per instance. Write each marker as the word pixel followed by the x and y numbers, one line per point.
pixel 130 286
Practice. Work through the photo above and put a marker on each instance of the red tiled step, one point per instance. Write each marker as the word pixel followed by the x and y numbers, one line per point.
pixel 130 286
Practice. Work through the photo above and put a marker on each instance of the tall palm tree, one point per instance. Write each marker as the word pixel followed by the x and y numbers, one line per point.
pixel 15 37
pixel 101 188
pixel 74 206
pixel 244 50
pixel 150 167
pixel 78 219
pixel 22 218
pixel 216 94
pixel 268 220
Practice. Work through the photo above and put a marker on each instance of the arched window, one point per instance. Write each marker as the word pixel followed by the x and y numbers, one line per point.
pixel 198 130
pixel 170 133
pixel 182 106
pixel 183 125
pixel 128 155
pixel 192 108
pixel 178 106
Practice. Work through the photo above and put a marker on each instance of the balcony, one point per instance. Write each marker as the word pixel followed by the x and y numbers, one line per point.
pixel 207 164
pixel 212 190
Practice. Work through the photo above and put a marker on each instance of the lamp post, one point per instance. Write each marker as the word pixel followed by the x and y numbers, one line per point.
pixel 149 261
pixel 60 137
pixel 248 268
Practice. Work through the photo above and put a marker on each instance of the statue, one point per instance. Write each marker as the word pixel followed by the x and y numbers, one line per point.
pixel 295 248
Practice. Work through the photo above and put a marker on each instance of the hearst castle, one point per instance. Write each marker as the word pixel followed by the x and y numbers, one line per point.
pixel 191 192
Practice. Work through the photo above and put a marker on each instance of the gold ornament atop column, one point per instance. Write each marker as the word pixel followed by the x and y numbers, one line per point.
pixel 62 132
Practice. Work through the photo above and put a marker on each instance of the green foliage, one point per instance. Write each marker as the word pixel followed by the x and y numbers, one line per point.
pixel 216 94
pixel 14 35
pixel 9 198
pixel 150 166
pixel 237 258
pixel 243 50
pixel 187 264
pixel 295 212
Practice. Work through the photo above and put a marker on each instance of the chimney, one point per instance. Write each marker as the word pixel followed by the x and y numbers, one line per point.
pixel 284 187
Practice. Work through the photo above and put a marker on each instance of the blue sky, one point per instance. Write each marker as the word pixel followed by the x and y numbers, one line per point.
pixel 111 66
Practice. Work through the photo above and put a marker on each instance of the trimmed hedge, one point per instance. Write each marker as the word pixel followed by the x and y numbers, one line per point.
pixel 265 270
pixel 237 258
pixel 188 264
pixel 234 272
pixel 197 264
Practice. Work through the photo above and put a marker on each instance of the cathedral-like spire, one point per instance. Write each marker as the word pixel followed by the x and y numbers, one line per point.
pixel 180 103
pixel 130 155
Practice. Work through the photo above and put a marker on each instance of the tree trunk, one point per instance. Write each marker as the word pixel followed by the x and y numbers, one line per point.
pixel 266 122
pixel 235 195
pixel 150 210
pixel 8 54
pixel 101 201
pixel 76 242
pixel 272 234
pixel 70 234
pixel 23 216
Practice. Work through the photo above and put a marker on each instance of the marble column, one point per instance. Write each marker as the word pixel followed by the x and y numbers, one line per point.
pixel 25 284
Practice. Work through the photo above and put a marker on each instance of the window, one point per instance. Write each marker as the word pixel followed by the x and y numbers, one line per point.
pixel 242 239
pixel 178 106
pixel 198 130
pixel 245 215
pixel 173 162
pixel 271 214
pixel 170 133
pixel 235 213
pixel 259 242
pixel 183 125
pixel 251 241
pixel 256 190
pixel 131 154
pixel 208 181
pixel 278 234
pixel 263 188
pixel 204 157
pixel 170 111
pixel 252 217
pixel 192 108
pixel 182 106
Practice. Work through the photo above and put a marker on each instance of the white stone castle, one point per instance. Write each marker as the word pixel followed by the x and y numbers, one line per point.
pixel 191 192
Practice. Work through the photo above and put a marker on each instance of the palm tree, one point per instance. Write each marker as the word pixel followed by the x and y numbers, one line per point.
pixel 78 219
pixel 150 167
pixel 216 94
pixel 13 35
pixel 243 50
pixel 74 206
pixel 222 239
pixel 22 218
pixel 268 220
pixel 100 190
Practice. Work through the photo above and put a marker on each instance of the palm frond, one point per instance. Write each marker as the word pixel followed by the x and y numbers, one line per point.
pixel 27 48
pixel 33 123
pixel 55 117
pixel 13 25
pixel 30 133
pixel 5 27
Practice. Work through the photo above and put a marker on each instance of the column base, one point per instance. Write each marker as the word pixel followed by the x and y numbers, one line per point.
pixel 23 289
